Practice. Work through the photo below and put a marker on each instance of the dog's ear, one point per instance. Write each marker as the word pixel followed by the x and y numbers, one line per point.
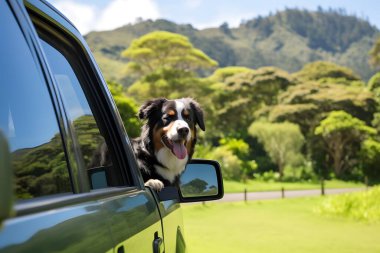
pixel 150 107
pixel 198 112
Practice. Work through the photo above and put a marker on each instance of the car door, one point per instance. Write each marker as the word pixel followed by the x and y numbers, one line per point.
pixel 101 203
pixel 48 215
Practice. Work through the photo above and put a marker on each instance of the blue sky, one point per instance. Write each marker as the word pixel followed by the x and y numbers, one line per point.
pixel 89 15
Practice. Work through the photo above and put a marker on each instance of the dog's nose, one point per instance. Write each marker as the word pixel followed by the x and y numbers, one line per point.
pixel 183 131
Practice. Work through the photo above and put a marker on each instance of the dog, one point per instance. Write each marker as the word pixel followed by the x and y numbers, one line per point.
pixel 167 139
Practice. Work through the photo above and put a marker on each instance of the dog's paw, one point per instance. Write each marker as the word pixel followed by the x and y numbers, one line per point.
pixel 154 184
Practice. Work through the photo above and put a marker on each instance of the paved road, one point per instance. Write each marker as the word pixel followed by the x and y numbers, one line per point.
pixel 230 197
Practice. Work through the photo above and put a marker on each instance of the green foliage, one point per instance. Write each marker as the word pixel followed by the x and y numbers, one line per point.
pixel 221 74
pixel 243 93
pixel 169 83
pixel 241 149
pixel 362 206
pixel 237 146
pixel 324 70
pixel 376 121
pixel 231 164
pixel 127 109
pixel 339 122
pixel 304 173
pixel 233 154
pixel 282 141
pixel 165 50
pixel 307 103
pixel 370 157
pixel 342 133
pixel 374 84
pixel 167 64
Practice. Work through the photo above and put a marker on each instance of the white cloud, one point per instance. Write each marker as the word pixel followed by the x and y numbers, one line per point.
pixel 81 15
pixel 115 14
pixel 121 12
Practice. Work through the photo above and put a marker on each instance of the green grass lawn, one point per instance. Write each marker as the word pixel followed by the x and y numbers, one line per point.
pixel 288 225
pixel 253 185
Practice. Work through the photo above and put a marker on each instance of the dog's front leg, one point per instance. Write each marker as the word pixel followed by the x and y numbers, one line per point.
pixel 154 184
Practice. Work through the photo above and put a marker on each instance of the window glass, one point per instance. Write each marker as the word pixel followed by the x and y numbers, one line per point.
pixel 27 118
pixel 93 147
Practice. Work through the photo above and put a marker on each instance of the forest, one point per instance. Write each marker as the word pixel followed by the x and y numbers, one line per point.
pixel 264 123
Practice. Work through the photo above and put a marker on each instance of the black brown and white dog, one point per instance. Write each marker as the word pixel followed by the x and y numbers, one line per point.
pixel 167 139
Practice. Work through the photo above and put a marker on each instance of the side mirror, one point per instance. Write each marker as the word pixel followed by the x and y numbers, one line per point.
pixel 6 192
pixel 201 181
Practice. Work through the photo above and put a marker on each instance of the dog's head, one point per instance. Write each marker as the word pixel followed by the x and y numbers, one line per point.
pixel 171 126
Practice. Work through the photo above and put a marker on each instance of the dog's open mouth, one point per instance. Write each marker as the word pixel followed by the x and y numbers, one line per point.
pixel 178 148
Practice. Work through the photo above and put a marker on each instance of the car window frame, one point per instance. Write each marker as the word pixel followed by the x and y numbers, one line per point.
pixel 24 12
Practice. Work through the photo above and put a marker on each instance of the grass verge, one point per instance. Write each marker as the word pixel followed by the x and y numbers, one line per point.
pixel 268 226
pixel 254 186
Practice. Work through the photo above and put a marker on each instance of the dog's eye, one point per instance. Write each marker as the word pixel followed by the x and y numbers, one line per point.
pixel 186 117
pixel 169 117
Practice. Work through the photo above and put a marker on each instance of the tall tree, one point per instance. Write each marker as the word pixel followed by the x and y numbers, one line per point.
pixel 343 134
pixel 282 141
pixel 370 160
pixel 321 70
pixel 165 50
pixel 241 91
pixel 307 103
pixel 166 64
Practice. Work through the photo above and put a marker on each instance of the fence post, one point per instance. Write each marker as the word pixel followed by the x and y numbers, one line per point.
pixel 322 186
pixel 282 192
pixel 245 194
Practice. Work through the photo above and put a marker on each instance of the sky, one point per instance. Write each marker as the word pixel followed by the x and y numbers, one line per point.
pixel 99 15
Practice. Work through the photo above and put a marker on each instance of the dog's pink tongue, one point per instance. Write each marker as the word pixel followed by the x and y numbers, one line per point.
pixel 179 150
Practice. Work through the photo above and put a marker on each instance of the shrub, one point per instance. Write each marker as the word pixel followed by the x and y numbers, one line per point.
pixel 362 206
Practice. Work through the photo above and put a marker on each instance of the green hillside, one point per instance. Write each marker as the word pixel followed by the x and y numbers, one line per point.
pixel 288 39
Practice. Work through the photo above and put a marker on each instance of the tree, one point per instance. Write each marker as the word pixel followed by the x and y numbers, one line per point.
pixel 370 158
pixel 342 135
pixel 221 74
pixel 307 103
pixel 374 85
pixel 240 92
pixel 165 50
pixel 320 70
pixel 375 54
pixel 282 141
pixel 167 65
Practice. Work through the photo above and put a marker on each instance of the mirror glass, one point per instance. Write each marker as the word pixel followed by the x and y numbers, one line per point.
pixel 199 180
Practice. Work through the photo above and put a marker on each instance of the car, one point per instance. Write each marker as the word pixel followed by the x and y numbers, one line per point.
pixel 56 112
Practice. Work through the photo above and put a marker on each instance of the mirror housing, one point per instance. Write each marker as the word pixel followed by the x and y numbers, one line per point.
pixel 201 181
pixel 6 190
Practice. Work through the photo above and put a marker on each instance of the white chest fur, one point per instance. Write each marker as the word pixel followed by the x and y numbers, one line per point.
pixel 174 166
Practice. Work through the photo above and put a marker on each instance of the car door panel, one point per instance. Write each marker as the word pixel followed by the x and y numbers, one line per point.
pixel 134 221
pixel 77 228
pixel 173 225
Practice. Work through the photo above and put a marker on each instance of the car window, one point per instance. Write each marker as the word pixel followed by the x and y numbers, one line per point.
pixel 28 119
pixel 96 159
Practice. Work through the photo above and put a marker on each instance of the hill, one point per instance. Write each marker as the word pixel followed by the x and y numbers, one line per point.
pixel 288 40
